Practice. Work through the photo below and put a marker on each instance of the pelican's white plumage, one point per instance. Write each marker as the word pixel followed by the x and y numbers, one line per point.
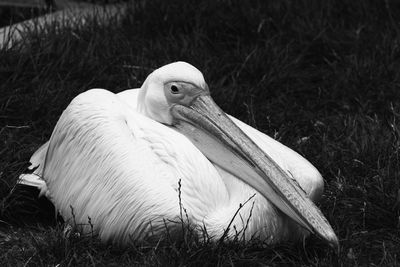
pixel 118 158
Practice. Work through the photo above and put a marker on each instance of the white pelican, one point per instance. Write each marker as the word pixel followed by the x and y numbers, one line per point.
pixel 118 158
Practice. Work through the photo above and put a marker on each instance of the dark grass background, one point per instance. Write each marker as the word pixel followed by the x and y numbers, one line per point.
pixel 322 77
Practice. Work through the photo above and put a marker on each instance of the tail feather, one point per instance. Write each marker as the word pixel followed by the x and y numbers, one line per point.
pixel 28 202
pixel 34 178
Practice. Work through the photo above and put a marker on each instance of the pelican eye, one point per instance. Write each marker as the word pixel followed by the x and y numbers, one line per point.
pixel 174 89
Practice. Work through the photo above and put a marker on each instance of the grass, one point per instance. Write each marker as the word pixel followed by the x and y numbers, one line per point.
pixel 321 77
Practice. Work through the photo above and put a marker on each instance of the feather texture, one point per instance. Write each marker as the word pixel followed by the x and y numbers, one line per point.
pixel 112 162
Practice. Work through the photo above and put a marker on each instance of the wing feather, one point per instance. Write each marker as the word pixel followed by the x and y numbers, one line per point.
pixel 99 167
pixel 108 162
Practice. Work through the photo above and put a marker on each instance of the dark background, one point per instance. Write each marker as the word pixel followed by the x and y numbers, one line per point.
pixel 322 77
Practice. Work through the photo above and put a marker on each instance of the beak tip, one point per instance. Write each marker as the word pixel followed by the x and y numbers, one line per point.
pixel 333 242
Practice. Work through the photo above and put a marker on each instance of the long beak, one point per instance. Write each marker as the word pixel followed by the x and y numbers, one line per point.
pixel 225 144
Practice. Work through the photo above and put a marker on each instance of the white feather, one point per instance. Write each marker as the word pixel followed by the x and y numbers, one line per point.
pixel 107 160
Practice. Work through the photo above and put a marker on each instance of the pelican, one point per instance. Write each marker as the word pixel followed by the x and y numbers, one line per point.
pixel 131 161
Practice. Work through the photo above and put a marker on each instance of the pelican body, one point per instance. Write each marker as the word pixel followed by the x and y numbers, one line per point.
pixel 131 161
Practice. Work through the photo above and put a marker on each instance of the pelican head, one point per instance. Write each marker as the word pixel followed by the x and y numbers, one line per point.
pixel 175 83
pixel 177 95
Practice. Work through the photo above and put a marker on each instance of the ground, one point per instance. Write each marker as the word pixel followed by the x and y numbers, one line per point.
pixel 322 77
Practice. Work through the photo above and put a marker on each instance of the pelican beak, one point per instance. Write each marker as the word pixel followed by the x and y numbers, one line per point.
pixel 226 145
